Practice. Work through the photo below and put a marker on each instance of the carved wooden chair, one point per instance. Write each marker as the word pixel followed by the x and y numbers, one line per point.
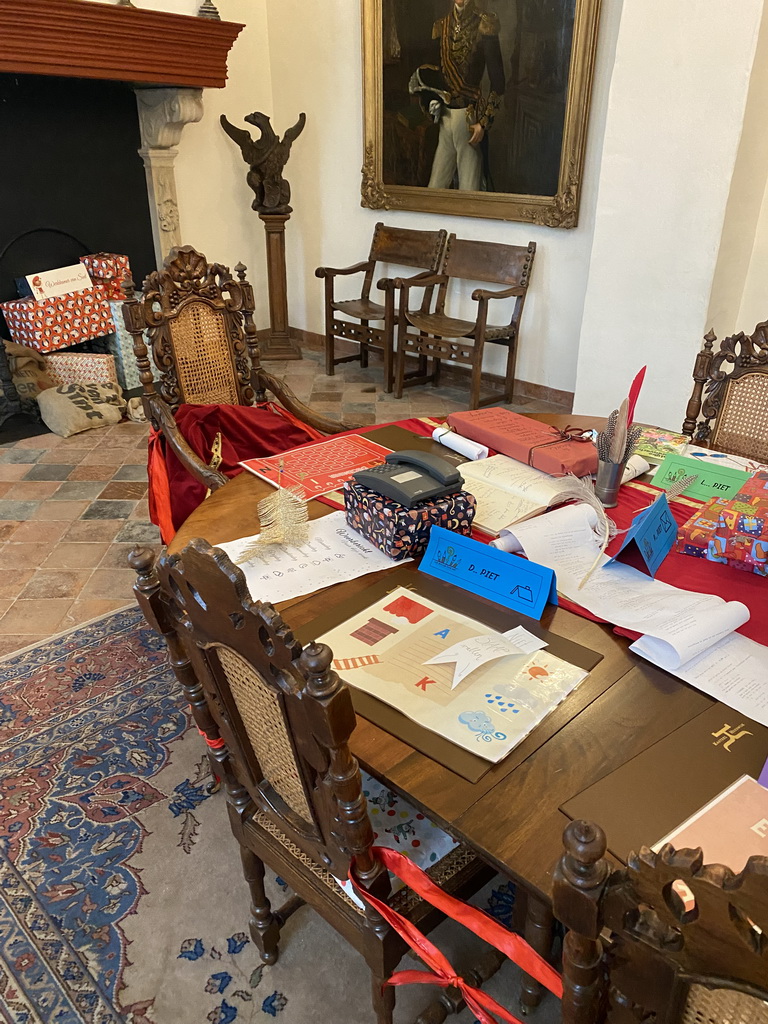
pixel 372 324
pixel 665 940
pixel 278 720
pixel 728 409
pixel 199 322
pixel 433 334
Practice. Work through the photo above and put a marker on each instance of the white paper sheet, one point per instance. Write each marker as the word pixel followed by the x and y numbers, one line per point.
pixel 334 553
pixel 472 653
pixel 690 635
pixel 383 651
pixel 479 650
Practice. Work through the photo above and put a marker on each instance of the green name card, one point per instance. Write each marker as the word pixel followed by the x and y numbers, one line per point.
pixel 711 481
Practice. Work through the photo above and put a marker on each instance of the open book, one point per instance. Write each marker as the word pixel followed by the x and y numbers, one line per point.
pixel 508 491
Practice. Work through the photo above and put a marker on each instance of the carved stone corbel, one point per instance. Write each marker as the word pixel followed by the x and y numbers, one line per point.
pixel 162 116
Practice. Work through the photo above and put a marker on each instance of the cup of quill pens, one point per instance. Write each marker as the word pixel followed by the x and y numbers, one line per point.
pixel 616 444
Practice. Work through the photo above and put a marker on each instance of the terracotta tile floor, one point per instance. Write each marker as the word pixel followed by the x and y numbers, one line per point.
pixel 70 511
pixel 72 508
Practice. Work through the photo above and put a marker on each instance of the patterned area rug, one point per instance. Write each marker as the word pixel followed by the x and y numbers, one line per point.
pixel 121 893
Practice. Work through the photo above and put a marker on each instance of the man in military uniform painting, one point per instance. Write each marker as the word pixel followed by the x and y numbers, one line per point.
pixel 468 38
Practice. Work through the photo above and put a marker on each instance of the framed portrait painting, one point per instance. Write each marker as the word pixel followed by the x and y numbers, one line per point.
pixel 478 107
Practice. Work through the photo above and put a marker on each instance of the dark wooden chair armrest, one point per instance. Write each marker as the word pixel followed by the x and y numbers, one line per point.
pixel 356 268
pixel 391 283
pixel 504 293
pixel 300 409
pixel 419 280
pixel 161 416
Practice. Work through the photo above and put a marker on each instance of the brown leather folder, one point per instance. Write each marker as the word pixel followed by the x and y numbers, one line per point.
pixel 645 799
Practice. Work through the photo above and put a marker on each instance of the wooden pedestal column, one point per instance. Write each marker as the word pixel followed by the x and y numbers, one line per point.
pixel 279 343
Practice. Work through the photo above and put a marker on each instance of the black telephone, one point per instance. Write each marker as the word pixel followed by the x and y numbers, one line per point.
pixel 411 477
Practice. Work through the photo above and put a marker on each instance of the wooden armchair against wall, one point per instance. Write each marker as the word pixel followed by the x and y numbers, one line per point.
pixel 280 720
pixel 728 409
pixel 665 940
pixel 372 324
pixel 198 320
pixel 431 334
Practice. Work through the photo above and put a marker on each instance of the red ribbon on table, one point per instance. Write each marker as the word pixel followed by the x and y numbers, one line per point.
pixel 566 434
pixel 513 946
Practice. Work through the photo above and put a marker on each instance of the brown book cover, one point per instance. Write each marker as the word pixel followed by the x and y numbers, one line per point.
pixel 652 793
pixel 526 440
pixel 729 829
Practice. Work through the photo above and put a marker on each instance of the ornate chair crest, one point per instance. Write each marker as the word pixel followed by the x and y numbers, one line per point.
pixel 199 321
pixel 688 941
pixel 728 409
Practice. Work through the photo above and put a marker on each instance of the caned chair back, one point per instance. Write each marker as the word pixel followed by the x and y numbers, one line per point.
pixel 194 313
pixel 491 262
pixel 667 940
pixel 283 714
pixel 728 410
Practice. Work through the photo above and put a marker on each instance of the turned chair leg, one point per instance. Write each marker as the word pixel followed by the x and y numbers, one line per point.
pixel 264 926
pixel 383 997
pixel 330 339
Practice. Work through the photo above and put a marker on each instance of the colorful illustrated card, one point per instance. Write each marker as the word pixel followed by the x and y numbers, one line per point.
pixel 712 480
pixel 513 582
pixel 402 650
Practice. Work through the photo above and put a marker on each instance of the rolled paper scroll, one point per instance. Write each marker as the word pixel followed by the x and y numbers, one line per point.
pixel 457 443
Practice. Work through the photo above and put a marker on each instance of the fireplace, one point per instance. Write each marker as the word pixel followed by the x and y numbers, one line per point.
pixel 93 101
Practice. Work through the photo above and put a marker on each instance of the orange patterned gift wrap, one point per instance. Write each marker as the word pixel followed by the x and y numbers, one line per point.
pixel 50 324
pixel 109 269
pixel 733 531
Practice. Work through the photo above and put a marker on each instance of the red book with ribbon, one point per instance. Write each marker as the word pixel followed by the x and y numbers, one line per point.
pixel 549 449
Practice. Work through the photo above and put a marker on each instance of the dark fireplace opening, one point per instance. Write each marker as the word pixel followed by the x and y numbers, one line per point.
pixel 69 163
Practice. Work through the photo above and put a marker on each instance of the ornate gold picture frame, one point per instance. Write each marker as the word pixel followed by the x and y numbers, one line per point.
pixel 429 66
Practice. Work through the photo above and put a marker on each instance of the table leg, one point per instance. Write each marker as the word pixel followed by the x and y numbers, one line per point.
pixel 539 925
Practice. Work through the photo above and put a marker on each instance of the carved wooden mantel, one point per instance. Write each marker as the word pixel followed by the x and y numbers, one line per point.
pixel 81 39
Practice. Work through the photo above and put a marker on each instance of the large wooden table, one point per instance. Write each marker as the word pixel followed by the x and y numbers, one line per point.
pixel 511 815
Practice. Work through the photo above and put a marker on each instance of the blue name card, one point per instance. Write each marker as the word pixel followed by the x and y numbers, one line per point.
pixel 649 538
pixel 507 579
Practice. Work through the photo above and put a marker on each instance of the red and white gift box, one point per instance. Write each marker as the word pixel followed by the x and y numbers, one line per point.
pixel 81 368
pixel 109 270
pixel 50 324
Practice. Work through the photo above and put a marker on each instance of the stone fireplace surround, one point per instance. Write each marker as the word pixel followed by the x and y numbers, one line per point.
pixel 168 59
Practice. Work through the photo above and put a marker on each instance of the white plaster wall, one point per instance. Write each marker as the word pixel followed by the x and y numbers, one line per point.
pixel 318 69
pixel 674 121
pixel 214 199
pixel 754 301
pixel 739 266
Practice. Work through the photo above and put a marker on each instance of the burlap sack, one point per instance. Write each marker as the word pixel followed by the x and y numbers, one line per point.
pixel 28 370
pixel 72 408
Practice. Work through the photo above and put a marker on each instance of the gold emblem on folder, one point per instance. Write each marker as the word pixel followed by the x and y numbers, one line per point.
pixel 727 736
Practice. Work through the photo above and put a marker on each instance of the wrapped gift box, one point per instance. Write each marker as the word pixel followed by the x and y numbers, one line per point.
pixel 402 532
pixel 81 368
pixel 51 324
pixel 527 440
pixel 733 531
pixel 120 345
pixel 108 269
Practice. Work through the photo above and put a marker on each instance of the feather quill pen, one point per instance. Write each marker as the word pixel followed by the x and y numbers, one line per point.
pixel 619 436
pixel 634 394
pixel 284 518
